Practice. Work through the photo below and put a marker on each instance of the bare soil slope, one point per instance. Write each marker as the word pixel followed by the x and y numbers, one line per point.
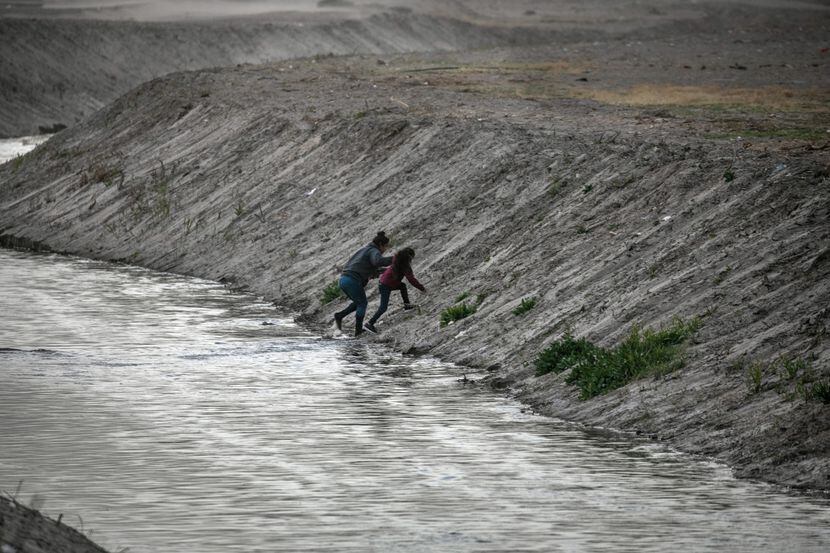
pixel 55 72
pixel 621 181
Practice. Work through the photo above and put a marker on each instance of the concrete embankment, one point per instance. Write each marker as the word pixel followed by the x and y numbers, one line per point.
pixel 269 177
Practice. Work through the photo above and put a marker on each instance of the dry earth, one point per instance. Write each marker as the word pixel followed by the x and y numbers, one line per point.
pixel 673 168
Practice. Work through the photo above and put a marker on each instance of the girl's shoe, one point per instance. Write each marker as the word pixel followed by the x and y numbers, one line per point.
pixel 408 306
pixel 371 328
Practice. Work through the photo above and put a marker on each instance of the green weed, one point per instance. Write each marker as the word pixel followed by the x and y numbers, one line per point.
pixel 239 210
pixel 754 377
pixel 819 391
pixel 456 313
pixel 596 370
pixel 728 175
pixel 526 305
pixel 462 297
pixel 554 187
pixel 793 366
pixel 331 292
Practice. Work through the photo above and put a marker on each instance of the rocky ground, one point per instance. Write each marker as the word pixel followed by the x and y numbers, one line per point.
pixel 626 170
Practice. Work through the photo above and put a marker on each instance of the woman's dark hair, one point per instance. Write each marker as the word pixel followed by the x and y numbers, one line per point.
pixel 381 239
pixel 403 262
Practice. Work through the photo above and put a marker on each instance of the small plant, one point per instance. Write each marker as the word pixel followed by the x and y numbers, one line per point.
pixel 554 187
pixel 564 354
pixel 582 229
pixel 462 297
pixel 526 305
pixel 793 366
pixel 755 377
pixel 456 313
pixel 331 292
pixel 17 162
pixel 728 175
pixel 596 370
pixel 819 391
pixel 587 188
pixel 239 210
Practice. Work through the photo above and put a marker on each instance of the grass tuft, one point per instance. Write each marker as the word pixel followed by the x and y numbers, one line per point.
pixel 456 313
pixel 596 370
pixel 331 292
pixel 526 305
pixel 819 391
pixel 754 377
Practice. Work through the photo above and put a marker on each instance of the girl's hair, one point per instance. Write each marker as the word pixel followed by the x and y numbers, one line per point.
pixel 381 239
pixel 403 261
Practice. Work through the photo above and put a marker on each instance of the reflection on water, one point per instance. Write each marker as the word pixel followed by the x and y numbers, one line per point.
pixel 13 147
pixel 161 411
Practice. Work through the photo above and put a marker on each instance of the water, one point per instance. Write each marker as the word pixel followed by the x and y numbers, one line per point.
pixel 12 147
pixel 158 412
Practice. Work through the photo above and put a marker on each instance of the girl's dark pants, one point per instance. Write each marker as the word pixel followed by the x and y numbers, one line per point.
pixel 385 291
pixel 353 288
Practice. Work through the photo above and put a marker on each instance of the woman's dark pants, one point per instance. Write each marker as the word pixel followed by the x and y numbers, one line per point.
pixel 353 288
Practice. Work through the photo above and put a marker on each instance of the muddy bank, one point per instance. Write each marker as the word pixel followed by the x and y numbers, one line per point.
pixel 26 530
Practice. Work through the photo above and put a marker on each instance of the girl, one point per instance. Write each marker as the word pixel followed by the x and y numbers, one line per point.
pixel 363 265
pixel 392 279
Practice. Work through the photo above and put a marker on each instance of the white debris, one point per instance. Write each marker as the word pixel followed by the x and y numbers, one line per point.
pixel 667 218
pixel 310 192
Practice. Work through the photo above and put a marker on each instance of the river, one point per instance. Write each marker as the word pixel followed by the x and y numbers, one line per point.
pixel 162 412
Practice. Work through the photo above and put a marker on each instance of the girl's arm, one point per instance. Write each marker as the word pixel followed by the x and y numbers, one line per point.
pixel 411 278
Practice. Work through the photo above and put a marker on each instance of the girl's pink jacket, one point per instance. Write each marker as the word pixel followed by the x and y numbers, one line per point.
pixel 390 279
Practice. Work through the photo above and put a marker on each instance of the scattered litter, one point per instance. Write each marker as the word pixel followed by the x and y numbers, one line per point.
pixel 310 192
pixel 667 218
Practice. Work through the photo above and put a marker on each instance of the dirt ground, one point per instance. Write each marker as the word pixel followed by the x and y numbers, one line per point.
pixel 626 163
pixel 26 530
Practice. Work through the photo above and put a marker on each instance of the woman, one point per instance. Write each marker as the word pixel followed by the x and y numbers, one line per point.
pixel 363 265
pixel 392 279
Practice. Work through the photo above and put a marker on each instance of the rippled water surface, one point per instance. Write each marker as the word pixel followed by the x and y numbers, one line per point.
pixel 158 412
